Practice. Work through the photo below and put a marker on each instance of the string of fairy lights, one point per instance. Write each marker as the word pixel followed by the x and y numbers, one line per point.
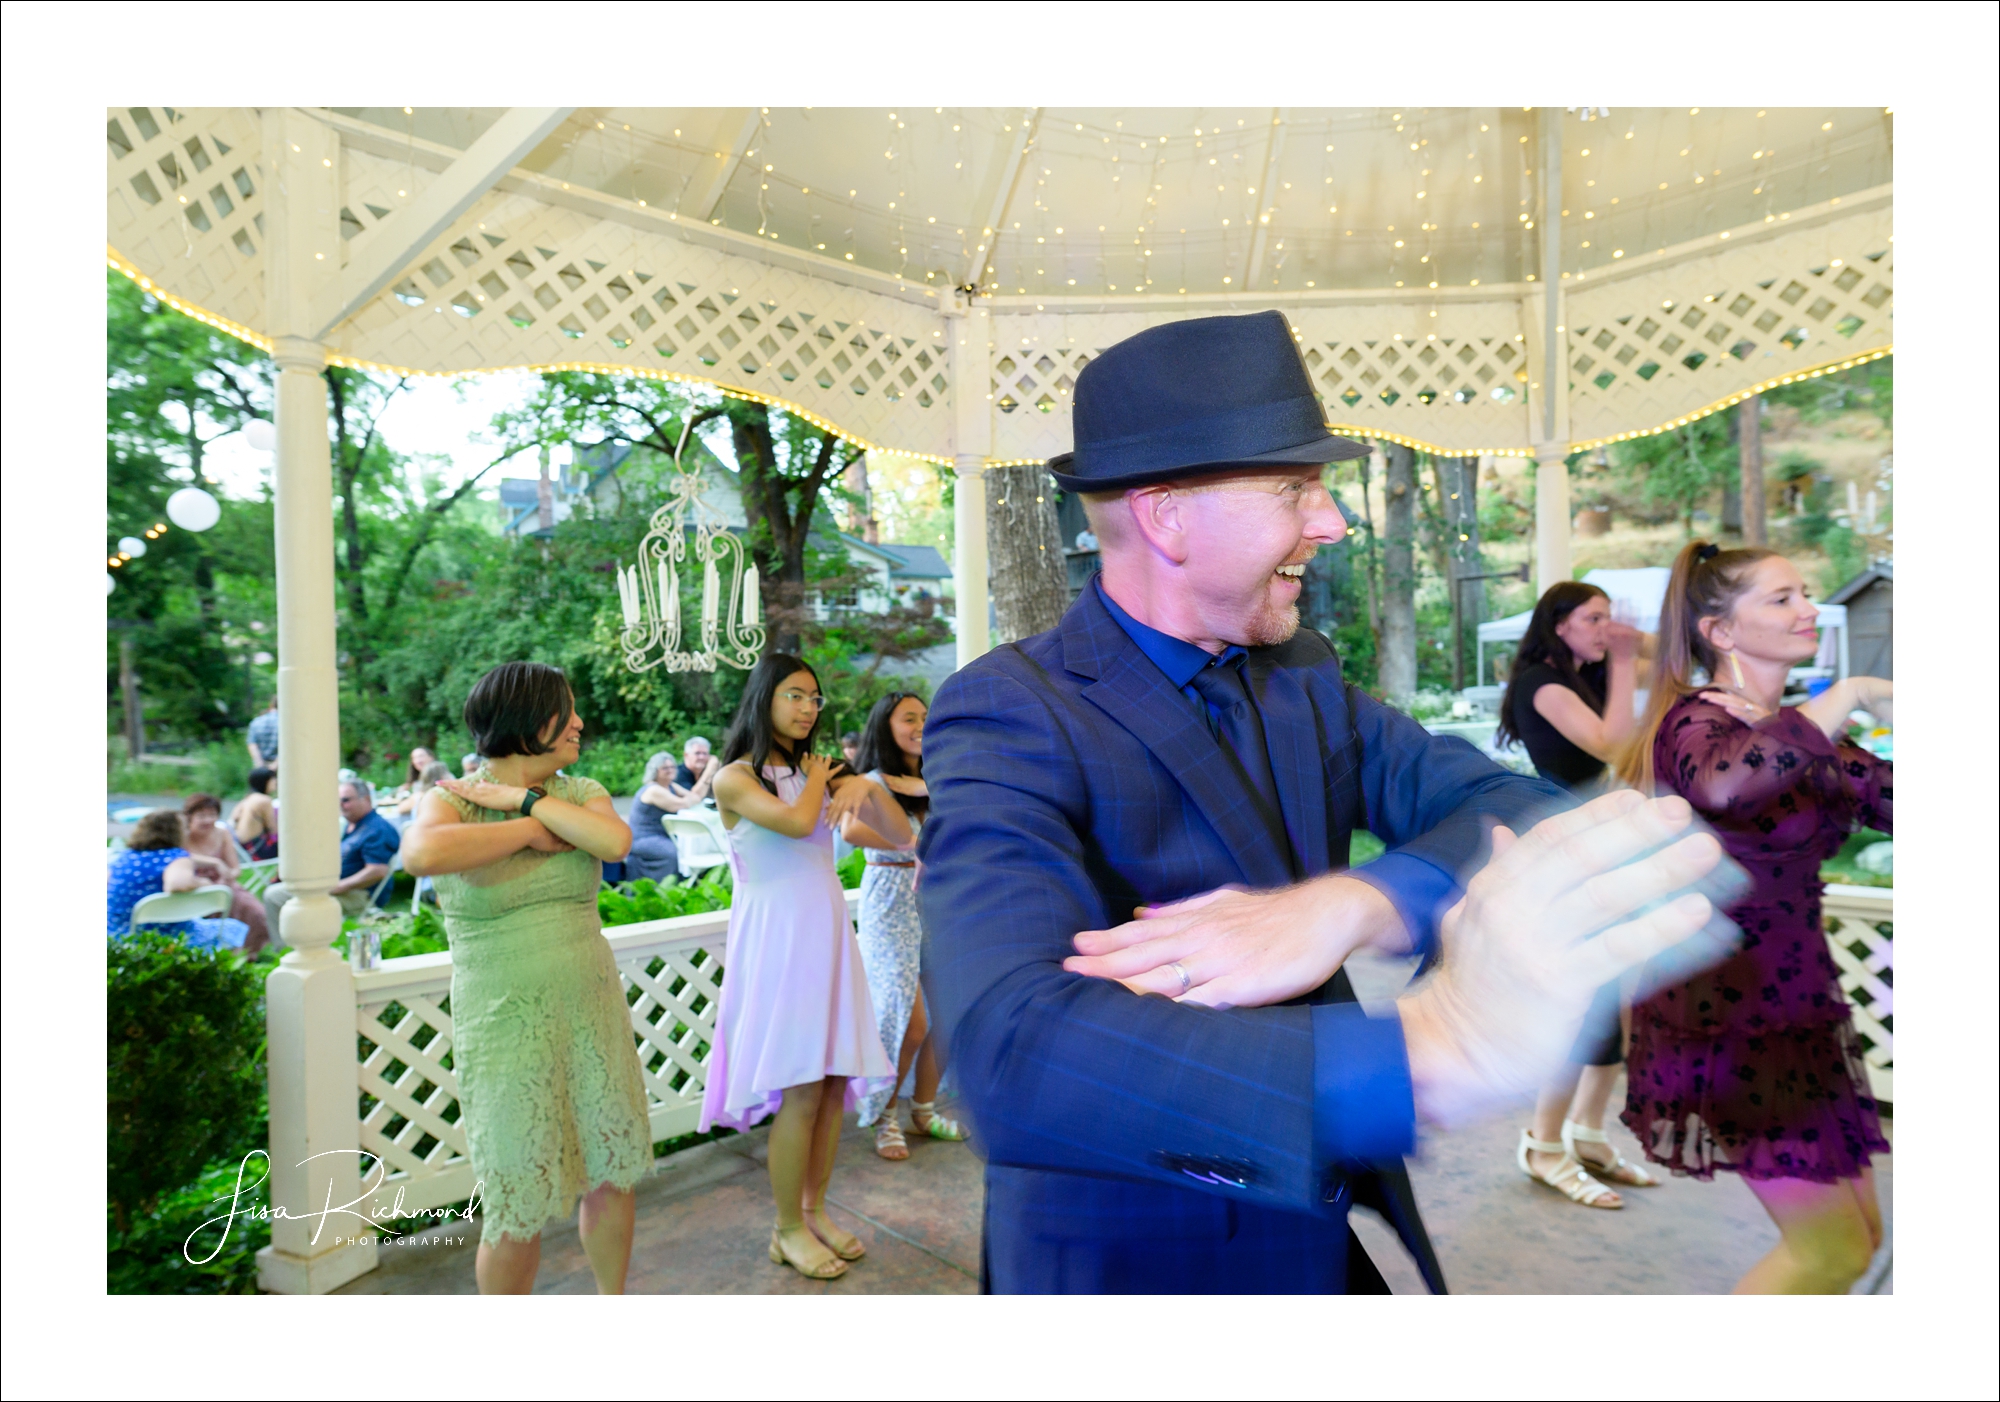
pixel 1250 201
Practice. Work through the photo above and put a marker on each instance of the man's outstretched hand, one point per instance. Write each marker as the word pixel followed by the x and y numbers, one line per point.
pixel 1584 898
pixel 1243 949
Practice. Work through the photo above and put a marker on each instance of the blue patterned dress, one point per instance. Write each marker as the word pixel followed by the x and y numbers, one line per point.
pixel 133 876
pixel 891 936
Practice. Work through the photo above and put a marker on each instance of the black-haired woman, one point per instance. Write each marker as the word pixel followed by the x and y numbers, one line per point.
pixel 550 1092
pixel 1569 703
pixel 796 1023
pixel 891 753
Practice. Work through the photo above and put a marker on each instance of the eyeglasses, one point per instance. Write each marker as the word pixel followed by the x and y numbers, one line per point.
pixel 794 697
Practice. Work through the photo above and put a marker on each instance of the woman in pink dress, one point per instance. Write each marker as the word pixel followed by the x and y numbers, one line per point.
pixel 796 1024
pixel 1753 1066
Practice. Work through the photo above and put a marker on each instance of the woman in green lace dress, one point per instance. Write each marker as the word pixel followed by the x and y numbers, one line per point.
pixel 548 1083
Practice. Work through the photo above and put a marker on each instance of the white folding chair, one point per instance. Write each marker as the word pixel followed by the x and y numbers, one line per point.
pixel 170 907
pixel 696 843
pixel 252 876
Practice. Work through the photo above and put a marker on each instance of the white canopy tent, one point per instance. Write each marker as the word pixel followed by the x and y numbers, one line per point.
pixel 1485 280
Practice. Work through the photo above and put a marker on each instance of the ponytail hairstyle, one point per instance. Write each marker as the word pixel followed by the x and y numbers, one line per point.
pixel 1541 644
pixel 750 735
pixel 1706 583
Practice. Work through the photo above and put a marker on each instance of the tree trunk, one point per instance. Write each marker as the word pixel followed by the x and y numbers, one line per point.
pixel 1459 481
pixel 1371 562
pixel 1750 451
pixel 1030 582
pixel 1732 493
pixel 1397 663
pixel 135 720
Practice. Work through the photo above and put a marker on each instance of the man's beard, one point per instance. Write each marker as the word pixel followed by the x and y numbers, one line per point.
pixel 1270 626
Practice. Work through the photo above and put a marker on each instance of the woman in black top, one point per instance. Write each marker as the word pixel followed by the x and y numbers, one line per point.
pixel 1569 703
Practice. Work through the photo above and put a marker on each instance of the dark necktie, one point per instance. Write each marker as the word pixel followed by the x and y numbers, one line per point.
pixel 1240 729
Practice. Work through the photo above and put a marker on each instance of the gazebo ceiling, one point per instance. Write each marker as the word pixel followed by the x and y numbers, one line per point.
pixel 817 257
pixel 1097 202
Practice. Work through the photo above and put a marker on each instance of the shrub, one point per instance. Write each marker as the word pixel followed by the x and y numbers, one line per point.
pixel 646 899
pixel 151 1254
pixel 186 1065
pixel 850 869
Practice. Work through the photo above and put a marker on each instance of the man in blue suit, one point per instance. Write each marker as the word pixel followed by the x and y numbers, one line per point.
pixel 1190 1100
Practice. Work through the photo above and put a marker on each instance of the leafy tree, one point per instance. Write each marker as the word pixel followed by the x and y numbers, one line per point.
pixel 1680 471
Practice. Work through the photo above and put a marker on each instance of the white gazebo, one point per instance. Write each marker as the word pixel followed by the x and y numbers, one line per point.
pixel 1467 281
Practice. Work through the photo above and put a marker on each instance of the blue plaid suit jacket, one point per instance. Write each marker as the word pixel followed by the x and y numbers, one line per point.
pixel 1132 1143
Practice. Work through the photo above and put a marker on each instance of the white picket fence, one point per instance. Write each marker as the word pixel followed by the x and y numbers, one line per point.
pixel 408 1104
pixel 1860 932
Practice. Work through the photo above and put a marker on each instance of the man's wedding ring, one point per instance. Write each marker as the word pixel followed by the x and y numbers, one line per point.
pixel 1182 975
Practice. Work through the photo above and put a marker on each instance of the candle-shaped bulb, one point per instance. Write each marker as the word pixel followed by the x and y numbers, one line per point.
pixel 627 602
pixel 709 584
pixel 666 612
pixel 752 605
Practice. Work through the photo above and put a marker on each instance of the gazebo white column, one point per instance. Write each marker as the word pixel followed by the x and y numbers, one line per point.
pixel 1548 403
pixel 309 998
pixel 972 441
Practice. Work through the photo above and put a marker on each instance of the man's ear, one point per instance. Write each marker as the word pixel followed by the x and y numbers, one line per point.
pixel 1157 516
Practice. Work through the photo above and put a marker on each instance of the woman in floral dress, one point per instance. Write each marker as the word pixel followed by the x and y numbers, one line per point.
pixel 1753 1066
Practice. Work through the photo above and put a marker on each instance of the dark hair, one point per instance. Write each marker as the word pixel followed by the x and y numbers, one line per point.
pixel 260 779
pixel 1705 583
pixel 160 829
pixel 750 734
pixel 512 705
pixel 879 750
pixel 195 802
pixel 1541 645
pixel 850 737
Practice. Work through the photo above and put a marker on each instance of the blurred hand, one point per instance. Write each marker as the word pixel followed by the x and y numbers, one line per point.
pixel 1621 641
pixel 816 767
pixel 210 867
pixel 849 798
pixel 1520 962
pixel 500 798
pixel 1243 948
pixel 540 839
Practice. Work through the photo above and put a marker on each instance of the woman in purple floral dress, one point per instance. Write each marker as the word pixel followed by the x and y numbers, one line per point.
pixel 1753 1066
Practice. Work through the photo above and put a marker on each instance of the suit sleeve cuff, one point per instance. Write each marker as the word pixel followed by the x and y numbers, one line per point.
pixel 1421 893
pixel 1363 1108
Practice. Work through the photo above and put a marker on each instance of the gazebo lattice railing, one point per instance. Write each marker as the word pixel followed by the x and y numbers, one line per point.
pixel 325 237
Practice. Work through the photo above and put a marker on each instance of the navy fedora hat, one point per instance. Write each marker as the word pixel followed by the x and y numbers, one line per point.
pixel 1205 395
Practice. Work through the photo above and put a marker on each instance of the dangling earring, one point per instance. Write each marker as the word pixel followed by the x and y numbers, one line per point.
pixel 1736 668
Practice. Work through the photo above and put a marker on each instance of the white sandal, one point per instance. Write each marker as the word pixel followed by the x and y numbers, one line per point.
pixel 1619 1170
pixel 1568 1177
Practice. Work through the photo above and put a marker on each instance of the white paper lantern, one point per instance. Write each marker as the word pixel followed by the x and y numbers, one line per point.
pixel 192 509
pixel 132 546
pixel 262 435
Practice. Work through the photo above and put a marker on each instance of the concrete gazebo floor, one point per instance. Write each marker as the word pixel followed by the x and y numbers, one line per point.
pixel 705 1220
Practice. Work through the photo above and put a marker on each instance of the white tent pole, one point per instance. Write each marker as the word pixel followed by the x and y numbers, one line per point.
pixel 972 440
pixel 1003 196
pixel 309 998
pixel 1552 513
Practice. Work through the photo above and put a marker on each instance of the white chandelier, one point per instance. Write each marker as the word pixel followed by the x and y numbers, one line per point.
pixel 687 533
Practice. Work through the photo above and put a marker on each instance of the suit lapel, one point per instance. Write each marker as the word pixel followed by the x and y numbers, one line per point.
pixel 1133 692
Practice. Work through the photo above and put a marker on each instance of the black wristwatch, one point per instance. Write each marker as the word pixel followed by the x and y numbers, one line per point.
pixel 528 801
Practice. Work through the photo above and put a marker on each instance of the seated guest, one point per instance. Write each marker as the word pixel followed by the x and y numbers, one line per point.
pixel 694 774
pixel 255 817
pixel 653 853
pixel 204 836
pixel 367 845
pixel 468 764
pixel 406 796
pixel 156 860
